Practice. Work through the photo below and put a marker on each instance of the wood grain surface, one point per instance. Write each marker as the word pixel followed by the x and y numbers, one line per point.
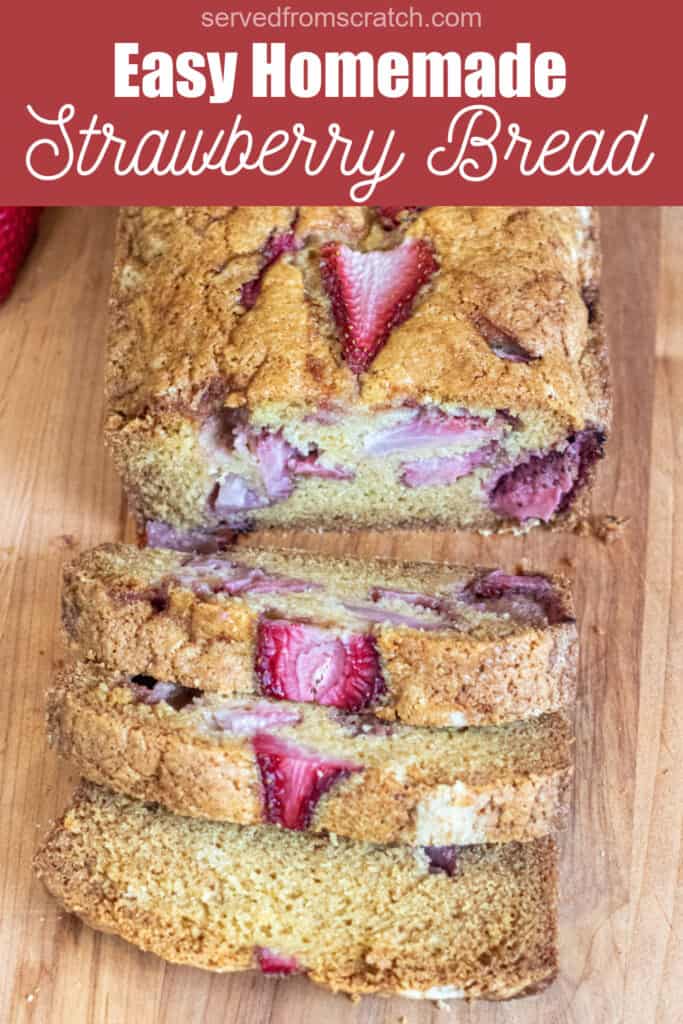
pixel 622 905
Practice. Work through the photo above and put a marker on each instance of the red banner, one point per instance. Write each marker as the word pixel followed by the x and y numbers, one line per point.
pixel 445 102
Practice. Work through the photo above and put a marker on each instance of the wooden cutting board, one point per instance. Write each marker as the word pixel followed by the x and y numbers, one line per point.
pixel 622 913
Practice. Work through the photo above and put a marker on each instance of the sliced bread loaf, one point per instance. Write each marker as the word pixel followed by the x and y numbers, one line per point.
pixel 473 921
pixel 250 760
pixel 424 643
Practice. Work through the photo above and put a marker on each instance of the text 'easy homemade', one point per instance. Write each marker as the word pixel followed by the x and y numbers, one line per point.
pixel 277 73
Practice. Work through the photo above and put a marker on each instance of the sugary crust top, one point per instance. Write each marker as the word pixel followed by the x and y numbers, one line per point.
pixel 180 337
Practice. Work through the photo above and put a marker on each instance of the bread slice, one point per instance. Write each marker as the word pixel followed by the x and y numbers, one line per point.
pixel 473 921
pixel 302 766
pixel 345 367
pixel 423 643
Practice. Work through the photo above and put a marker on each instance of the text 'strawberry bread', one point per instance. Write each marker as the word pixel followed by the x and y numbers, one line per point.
pixel 305 767
pixel 470 921
pixel 342 367
pixel 425 643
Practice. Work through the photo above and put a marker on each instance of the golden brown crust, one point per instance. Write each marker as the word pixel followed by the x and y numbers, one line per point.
pixel 376 920
pixel 484 673
pixel 418 786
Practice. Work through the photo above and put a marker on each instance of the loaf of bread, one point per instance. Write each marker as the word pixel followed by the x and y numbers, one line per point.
pixel 346 367
pixel 392 920
pixel 424 643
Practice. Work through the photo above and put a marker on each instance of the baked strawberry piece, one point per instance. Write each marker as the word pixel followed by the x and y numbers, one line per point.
pixel 303 767
pixel 353 916
pixel 373 292
pixel 502 343
pixel 297 661
pixel 442 858
pixel 528 596
pixel 348 367
pixel 278 243
pixel 294 778
pixel 543 484
pixel 271 962
pixel 392 216
pixel 18 229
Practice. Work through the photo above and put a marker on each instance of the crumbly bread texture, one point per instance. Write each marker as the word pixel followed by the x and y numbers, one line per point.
pixel 224 332
pixel 250 761
pixel 486 659
pixel 356 918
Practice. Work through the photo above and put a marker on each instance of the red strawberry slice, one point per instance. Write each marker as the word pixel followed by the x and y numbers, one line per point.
pixel 535 489
pixel 18 227
pixel 373 292
pixel 235 495
pixel 272 962
pixel 294 779
pixel 147 690
pixel 207 576
pixel 546 483
pixel 279 463
pixel 162 535
pixel 308 663
pixel 430 428
pixel 275 457
pixel 523 597
pixel 388 617
pixel 308 465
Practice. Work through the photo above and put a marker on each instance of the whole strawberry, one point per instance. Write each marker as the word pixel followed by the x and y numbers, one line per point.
pixel 18 227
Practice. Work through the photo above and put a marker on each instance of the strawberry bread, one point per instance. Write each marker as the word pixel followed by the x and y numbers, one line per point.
pixel 441 923
pixel 305 767
pixel 431 645
pixel 343 367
